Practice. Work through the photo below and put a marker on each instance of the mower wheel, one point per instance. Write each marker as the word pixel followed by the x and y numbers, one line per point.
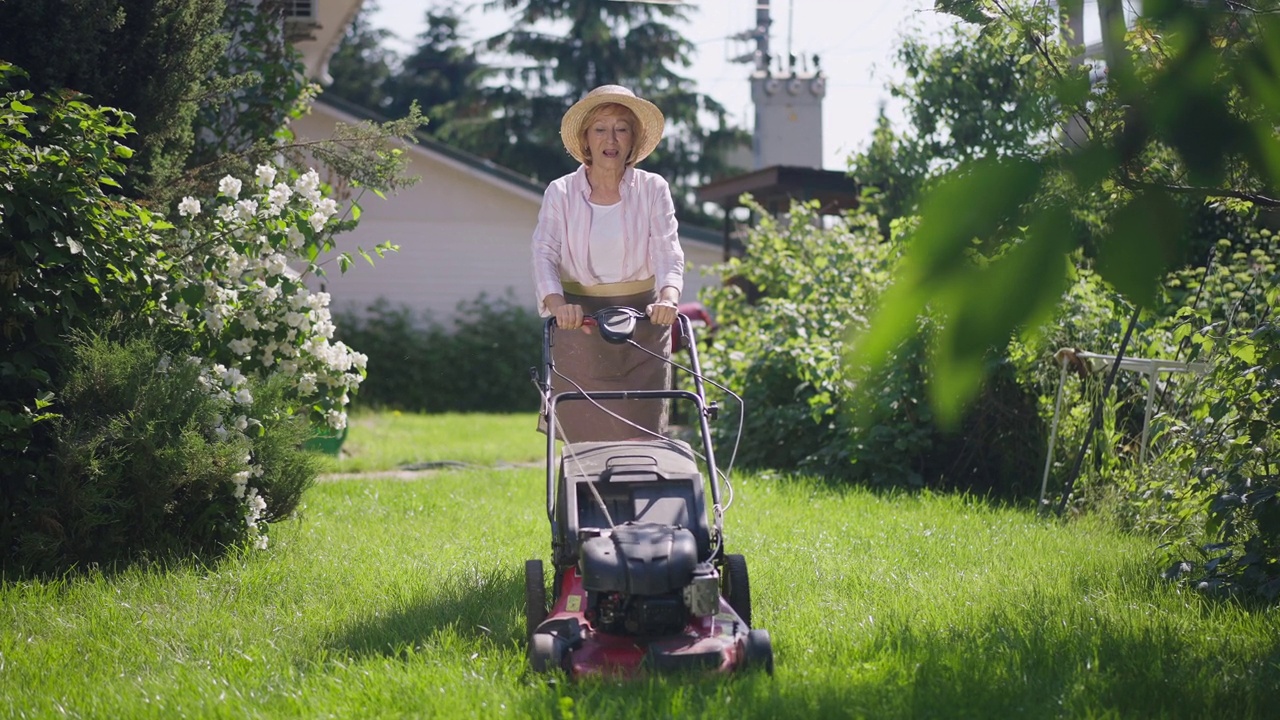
pixel 736 586
pixel 759 651
pixel 535 596
pixel 546 652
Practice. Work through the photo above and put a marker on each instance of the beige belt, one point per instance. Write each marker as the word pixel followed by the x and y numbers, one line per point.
pixel 633 287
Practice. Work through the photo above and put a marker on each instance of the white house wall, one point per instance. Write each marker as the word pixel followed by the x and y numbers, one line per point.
pixel 461 232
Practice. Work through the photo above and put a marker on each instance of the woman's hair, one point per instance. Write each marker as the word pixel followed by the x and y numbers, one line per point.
pixel 637 131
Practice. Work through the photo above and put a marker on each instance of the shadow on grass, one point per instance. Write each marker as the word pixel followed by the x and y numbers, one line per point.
pixel 1015 659
pixel 484 604
pixel 980 672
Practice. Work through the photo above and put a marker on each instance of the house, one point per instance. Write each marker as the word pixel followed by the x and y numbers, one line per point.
pixel 463 229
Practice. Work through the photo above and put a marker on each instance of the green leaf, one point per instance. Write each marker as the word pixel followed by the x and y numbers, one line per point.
pixel 977 200
pixel 19 106
pixel 123 151
pixel 1147 236
pixel 1245 351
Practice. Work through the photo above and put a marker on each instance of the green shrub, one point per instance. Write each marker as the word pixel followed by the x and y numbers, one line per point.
pixel 783 352
pixel 71 256
pixel 478 363
pixel 142 465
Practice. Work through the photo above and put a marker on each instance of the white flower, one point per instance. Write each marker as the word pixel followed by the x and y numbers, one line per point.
pixel 318 300
pixel 226 213
pixel 241 480
pixel 244 397
pixel 230 187
pixel 213 320
pixel 266 175
pixel 231 377
pixel 317 220
pixel 242 346
pixel 307 383
pixel 250 320
pixel 276 264
pixel 280 194
pixel 323 328
pixel 247 208
pixel 189 207
pixel 307 183
pixel 241 422
pixel 328 206
pixel 295 238
pixel 261 542
pixel 336 419
pixel 294 319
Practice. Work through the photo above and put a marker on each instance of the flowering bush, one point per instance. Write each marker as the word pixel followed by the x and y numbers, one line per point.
pixel 110 305
pixel 241 296
pixel 246 299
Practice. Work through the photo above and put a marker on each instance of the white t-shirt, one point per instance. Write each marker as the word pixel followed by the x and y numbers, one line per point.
pixel 605 251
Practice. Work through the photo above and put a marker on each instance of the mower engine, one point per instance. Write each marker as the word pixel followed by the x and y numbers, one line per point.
pixel 644 579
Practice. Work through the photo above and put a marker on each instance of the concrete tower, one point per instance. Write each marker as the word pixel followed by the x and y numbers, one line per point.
pixel 788 104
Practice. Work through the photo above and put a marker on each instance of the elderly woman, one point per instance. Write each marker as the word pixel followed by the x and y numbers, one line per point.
pixel 607 235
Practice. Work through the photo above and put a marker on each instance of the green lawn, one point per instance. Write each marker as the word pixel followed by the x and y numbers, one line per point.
pixel 403 598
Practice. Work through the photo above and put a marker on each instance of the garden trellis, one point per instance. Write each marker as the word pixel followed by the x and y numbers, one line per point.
pixel 1093 362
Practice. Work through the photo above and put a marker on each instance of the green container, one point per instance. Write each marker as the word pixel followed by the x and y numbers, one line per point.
pixel 327 441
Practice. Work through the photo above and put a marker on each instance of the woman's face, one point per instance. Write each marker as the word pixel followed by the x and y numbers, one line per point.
pixel 610 136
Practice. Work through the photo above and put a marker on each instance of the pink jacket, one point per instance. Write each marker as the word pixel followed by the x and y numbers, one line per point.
pixel 651 239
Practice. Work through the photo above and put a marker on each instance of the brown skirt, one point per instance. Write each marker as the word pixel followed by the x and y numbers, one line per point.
pixel 596 365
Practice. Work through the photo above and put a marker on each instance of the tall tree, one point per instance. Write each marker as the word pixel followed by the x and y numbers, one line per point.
pixel 362 64
pixel 559 50
pixel 148 57
pixel 438 75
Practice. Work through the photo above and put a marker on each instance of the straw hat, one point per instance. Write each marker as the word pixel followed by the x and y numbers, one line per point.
pixel 647 136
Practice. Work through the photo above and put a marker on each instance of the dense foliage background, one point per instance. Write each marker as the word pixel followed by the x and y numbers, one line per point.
pixel 161 362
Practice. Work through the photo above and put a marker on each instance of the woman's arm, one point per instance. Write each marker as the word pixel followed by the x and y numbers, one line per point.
pixel 547 241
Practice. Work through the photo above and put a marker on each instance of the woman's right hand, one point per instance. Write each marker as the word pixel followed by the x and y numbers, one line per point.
pixel 568 316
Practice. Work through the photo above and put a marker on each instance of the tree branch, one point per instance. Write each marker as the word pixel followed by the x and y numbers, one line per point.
pixel 1208 192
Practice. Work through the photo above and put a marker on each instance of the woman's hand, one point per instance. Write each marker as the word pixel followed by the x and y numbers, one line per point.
pixel 568 317
pixel 662 312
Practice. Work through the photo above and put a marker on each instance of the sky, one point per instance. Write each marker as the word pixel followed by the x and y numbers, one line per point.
pixel 855 40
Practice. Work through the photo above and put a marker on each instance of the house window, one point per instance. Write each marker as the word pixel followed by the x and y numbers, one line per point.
pixel 304 10
pixel 301 19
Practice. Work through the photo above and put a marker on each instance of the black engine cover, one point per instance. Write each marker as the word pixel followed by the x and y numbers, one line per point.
pixel 639 559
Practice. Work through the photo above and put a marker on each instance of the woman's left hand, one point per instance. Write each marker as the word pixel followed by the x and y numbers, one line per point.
pixel 662 312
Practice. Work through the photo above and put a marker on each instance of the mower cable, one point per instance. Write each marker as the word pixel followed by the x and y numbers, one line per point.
pixel 559 431
pixel 733 456
pixel 723 475
pixel 717 510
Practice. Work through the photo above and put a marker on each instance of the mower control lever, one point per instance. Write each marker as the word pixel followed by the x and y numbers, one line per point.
pixel 616 323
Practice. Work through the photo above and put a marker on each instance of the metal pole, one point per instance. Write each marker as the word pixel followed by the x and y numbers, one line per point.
pixel 1097 415
pixel 1153 373
pixel 1053 432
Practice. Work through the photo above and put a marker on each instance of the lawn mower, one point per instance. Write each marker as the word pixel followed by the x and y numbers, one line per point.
pixel 641 581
